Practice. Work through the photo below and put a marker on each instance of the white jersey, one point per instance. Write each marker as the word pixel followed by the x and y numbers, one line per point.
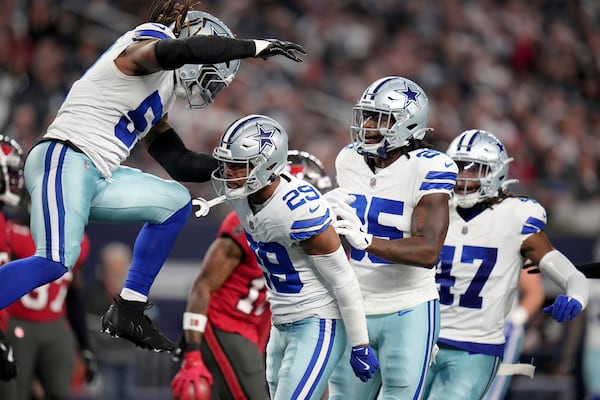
pixel 385 201
pixel 294 213
pixel 479 271
pixel 107 112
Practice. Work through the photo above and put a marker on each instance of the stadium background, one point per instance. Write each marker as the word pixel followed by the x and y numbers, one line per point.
pixel 527 71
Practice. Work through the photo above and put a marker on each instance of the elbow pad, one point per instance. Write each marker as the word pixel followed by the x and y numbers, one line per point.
pixel 182 164
pixel 336 270
pixel 565 275
pixel 201 49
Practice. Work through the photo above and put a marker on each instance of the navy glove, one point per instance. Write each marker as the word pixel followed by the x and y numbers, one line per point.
pixel 8 366
pixel 364 362
pixel 564 308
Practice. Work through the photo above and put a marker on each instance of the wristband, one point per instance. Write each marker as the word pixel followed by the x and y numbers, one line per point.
pixel 194 322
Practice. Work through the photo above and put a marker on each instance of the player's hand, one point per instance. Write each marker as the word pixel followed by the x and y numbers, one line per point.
pixel 8 366
pixel 349 225
pixel 564 307
pixel 337 196
pixel 191 371
pixel 90 364
pixel 363 362
pixel 266 48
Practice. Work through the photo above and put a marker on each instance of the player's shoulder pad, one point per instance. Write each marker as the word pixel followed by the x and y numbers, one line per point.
pixel 152 30
pixel 530 213
pixel 309 214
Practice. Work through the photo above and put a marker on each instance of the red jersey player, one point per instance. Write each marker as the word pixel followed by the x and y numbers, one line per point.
pixel 227 308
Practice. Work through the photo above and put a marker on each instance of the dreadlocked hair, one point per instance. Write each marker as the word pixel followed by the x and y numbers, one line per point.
pixel 503 194
pixel 167 12
pixel 414 144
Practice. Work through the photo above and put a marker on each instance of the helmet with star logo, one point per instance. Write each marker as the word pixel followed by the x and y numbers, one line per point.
pixel 482 166
pixel 200 83
pixel 391 112
pixel 251 153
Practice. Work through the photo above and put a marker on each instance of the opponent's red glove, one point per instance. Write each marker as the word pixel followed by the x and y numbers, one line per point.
pixel 193 372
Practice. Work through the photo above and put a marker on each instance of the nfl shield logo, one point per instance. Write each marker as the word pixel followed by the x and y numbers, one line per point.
pixel 373 182
pixel 464 230
pixel 251 225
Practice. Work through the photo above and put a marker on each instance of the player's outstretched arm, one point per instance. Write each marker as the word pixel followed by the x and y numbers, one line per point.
pixel 148 56
pixel 331 262
pixel 561 270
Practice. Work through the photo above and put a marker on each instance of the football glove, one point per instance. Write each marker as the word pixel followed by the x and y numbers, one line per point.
pixel 349 225
pixel 8 366
pixel 266 48
pixel 564 307
pixel 364 362
pixel 90 364
pixel 190 373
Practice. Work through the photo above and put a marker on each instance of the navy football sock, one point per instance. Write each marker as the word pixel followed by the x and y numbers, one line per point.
pixel 20 277
pixel 152 246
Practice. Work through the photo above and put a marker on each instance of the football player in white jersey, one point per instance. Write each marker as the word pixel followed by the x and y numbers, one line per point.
pixel 74 174
pixel 491 234
pixel 315 300
pixel 396 222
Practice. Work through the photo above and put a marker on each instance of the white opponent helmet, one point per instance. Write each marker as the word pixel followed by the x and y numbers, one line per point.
pixel 11 171
pixel 256 141
pixel 305 166
pixel 482 154
pixel 394 99
pixel 200 83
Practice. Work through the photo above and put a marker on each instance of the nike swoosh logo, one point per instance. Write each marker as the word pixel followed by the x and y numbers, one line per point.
pixel 448 164
pixel 401 313
pixel 312 210
pixel 367 366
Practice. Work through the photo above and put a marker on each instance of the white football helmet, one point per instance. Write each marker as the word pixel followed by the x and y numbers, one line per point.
pixel 11 171
pixel 483 156
pixel 200 83
pixel 305 166
pixel 257 142
pixel 392 109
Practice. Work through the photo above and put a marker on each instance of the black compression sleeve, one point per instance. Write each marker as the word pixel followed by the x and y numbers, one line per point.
pixel 76 316
pixel 201 49
pixel 182 164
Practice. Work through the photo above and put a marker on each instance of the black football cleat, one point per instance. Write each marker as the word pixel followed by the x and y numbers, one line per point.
pixel 126 319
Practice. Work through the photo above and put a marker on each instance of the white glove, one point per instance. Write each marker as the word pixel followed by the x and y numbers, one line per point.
pixel 349 225
pixel 205 205
pixel 337 196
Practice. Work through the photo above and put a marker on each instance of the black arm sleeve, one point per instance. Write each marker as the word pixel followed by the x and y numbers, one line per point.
pixel 201 49
pixel 182 164
pixel 76 316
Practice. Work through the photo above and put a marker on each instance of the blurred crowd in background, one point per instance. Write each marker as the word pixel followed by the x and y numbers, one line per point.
pixel 529 71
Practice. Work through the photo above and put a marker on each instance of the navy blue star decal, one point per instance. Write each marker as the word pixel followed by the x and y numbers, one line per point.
pixel 410 94
pixel 264 138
